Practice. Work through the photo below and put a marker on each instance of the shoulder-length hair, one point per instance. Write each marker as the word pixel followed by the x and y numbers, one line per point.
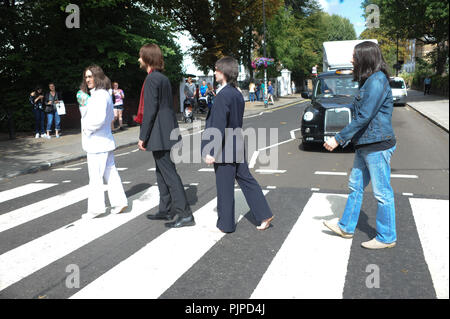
pixel 367 60
pixel 100 79
pixel 152 55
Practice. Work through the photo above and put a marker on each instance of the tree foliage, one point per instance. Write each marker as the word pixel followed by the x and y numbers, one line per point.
pixel 37 47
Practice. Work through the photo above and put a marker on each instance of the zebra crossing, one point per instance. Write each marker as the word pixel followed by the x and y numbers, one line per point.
pixel 127 256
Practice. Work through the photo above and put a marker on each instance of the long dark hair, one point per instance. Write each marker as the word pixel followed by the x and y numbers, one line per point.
pixel 100 79
pixel 367 60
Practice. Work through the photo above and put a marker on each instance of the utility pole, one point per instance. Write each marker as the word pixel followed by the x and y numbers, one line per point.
pixel 264 48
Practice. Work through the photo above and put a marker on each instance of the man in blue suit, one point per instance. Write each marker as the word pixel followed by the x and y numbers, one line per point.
pixel 223 146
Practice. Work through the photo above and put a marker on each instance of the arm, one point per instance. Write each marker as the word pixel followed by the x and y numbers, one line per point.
pixel 219 120
pixel 370 105
pixel 150 107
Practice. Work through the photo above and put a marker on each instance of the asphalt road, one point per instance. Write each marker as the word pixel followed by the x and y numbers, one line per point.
pixel 130 256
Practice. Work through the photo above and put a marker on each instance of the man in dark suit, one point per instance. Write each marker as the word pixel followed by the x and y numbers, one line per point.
pixel 158 122
pixel 223 146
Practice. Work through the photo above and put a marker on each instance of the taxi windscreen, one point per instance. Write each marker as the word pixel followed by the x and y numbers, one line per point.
pixel 328 87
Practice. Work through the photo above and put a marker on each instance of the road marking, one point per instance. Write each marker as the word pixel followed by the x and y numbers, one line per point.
pixel 134 151
pixel 270 171
pixel 311 263
pixel 315 189
pixel 330 173
pixel 126 183
pixel 253 159
pixel 143 275
pixel 67 169
pixel 407 194
pixel 67 181
pixel 24 190
pixel 42 208
pixel 24 260
pixel 152 169
pixel 76 164
pixel 126 153
pixel 292 132
pixel 121 168
pixel 431 218
pixel 271 187
pixel 206 170
pixel 193 184
pixel 277 144
pixel 39 181
pixel 403 176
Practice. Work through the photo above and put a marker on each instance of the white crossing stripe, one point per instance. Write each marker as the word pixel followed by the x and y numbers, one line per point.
pixel 23 190
pixel 67 169
pixel 24 260
pixel 311 263
pixel 42 208
pixel 122 168
pixel 152 169
pixel 206 170
pixel 431 217
pixel 403 176
pixel 156 267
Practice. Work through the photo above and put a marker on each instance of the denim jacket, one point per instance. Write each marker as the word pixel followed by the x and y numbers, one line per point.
pixel 372 116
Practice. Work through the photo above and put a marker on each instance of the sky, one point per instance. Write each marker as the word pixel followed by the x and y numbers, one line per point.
pixel 350 9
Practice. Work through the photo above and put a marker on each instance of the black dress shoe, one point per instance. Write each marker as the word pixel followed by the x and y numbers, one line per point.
pixel 181 222
pixel 160 216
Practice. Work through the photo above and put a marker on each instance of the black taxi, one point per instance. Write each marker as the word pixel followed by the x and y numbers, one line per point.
pixel 331 107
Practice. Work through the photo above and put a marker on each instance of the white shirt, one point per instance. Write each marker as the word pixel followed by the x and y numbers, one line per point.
pixel 96 134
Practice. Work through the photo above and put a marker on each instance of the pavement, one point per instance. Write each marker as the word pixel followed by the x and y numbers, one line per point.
pixel 433 107
pixel 27 154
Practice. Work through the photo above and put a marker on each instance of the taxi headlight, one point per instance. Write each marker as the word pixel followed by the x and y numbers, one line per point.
pixel 308 116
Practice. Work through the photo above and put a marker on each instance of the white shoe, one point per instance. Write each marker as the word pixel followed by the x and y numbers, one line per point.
pixel 118 209
pixel 333 225
pixel 43 135
pixel 57 135
pixel 37 135
pixel 375 244
pixel 47 136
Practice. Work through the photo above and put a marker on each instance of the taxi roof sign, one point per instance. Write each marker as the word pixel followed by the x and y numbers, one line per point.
pixel 344 72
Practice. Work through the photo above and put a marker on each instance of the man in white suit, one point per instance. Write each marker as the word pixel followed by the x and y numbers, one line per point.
pixel 97 140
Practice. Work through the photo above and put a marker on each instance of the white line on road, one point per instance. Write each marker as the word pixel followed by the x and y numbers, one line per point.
pixel 431 218
pixel 126 153
pixel 24 260
pixel 67 169
pixel 292 132
pixel 403 176
pixel 23 190
pixel 77 164
pixel 331 173
pixel 407 194
pixel 253 159
pixel 315 189
pixel 270 171
pixel 277 144
pixel 122 168
pixel 152 169
pixel 206 170
pixel 311 263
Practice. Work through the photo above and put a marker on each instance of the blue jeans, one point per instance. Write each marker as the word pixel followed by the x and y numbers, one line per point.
pixel 252 96
pixel 39 117
pixel 50 117
pixel 375 167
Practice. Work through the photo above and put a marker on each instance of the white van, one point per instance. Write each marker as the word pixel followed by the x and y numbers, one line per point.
pixel 399 92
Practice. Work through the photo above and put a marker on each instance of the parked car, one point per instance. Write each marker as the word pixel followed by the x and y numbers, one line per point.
pixel 331 107
pixel 399 92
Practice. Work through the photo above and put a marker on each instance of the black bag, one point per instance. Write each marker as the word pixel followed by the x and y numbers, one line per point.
pixel 113 96
pixel 48 108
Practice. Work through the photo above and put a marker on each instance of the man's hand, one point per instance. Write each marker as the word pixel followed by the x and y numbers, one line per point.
pixel 141 145
pixel 209 159
pixel 331 144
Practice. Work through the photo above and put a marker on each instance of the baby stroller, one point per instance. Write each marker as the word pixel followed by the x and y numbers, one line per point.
pixel 203 104
pixel 188 113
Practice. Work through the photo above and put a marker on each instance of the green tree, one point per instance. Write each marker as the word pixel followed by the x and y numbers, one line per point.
pixel 338 28
pixel 37 47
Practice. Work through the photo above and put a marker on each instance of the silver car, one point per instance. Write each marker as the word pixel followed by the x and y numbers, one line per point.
pixel 399 92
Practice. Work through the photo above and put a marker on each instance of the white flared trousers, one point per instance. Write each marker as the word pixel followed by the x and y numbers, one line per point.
pixel 101 166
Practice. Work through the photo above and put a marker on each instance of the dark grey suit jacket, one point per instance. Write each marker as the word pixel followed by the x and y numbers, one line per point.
pixel 159 117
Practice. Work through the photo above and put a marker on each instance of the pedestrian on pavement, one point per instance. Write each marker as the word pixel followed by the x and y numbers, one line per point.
pixel 210 93
pixel 427 84
pixel 203 89
pixel 226 116
pixel 190 92
pixel 98 142
pixel 270 91
pixel 251 91
pixel 159 121
pixel 118 104
pixel 50 100
pixel 314 70
pixel 373 137
pixel 257 90
pixel 262 86
pixel 37 101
